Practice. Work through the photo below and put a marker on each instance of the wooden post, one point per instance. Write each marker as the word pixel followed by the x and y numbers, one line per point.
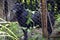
pixel 44 18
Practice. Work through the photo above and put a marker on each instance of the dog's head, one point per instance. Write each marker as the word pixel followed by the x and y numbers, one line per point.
pixel 17 8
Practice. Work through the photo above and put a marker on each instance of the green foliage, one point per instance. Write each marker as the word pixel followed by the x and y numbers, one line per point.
pixel 34 35
pixel 15 32
pixel 31 4
pixel 29 16
pixel 57 23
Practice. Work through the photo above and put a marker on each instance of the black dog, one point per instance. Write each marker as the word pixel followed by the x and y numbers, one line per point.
pixel 21 15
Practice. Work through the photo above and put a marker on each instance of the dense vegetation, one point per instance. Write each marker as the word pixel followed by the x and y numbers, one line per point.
pixel 14 29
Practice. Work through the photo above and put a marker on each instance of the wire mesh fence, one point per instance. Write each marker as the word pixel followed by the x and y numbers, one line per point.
pixel 33 5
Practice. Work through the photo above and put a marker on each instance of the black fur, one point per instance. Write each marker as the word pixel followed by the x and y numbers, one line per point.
pixel 21 15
